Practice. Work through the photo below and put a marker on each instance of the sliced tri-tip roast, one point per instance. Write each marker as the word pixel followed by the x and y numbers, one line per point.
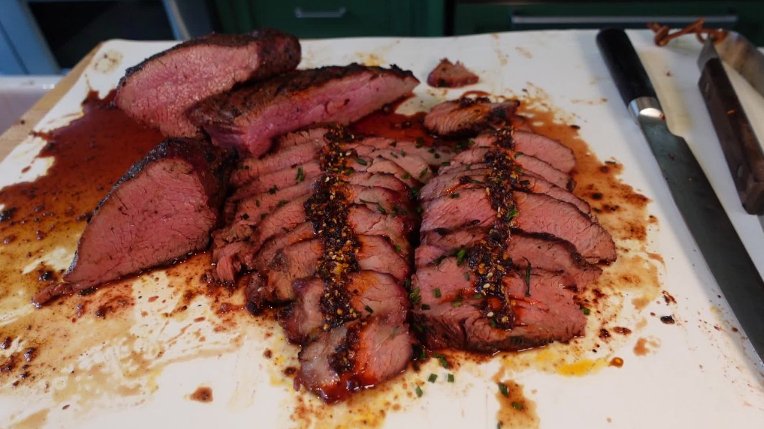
pixel 323 224
pixel 248 118
pixel 505 246
pixel 161 210
pixel 159 90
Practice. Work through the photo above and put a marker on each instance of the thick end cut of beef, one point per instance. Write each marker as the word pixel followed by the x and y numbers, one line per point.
pixel 159 90
pixel 249 117
pixel 449 75
pixel 162 209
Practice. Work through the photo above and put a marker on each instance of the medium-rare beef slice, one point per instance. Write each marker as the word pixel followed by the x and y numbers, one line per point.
pixel 451 75
pixel 162 209
pixel 550 151
pixel 473 159
pixel 467 116
pixel 159 90
pixel 541 252
pixel 450 314
pixel 248 118
pixel 355 356
pixel 536 213
pixel 451 183
pixel 371 293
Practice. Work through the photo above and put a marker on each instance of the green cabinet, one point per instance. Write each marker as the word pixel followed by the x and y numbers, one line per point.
pixel 335 18
pixel 472 17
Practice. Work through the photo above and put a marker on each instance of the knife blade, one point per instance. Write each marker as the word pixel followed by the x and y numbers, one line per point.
pixel 699 206
pixel 741 148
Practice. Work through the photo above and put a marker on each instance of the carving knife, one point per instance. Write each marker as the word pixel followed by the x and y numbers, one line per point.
pixel 701 210
pixel 741 148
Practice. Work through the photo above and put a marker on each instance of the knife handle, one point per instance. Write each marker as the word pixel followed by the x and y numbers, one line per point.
pixel 624 65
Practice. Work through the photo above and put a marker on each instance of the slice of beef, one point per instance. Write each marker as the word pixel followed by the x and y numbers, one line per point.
pixel 272 182
pixel 449 75
pixel 247 118
pixel 451 314
pixel 472 159
pixel 451 183
pixel 371 293
pixel 541 252
pixel 467 116
pixel 255 208
pixel 355 356
pixel 252 167
pixel 536 213
pixel 159 90
pixel 161 210
pixel 550 151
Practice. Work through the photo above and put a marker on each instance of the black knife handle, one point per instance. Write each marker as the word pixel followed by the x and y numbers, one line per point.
pixel 624 65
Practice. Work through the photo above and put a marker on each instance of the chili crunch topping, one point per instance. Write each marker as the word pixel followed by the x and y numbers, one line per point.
pixel 327 210
pixel 488 259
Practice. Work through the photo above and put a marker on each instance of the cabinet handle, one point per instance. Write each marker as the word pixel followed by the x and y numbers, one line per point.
pixel 340 12
pixel 608 21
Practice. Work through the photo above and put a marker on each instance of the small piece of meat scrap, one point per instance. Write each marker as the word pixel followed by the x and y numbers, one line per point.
pixel 162 209
pixel 450 75
pixel 248 118
pixel 159 90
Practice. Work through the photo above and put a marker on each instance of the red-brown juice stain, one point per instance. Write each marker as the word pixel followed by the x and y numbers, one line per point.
pixel 386 123
pixel 89 155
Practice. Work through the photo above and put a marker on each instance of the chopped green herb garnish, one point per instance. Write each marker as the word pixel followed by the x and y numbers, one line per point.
pixel 460 256
pixel 407 282
pixel 415 296
pixel 431 150
pixel 273 189
pixel 419 142
pixel 403 153
pixel 257 203
pixel 406 176
pixel 464 144
pixel 281 203
pixel 361 161
pixel 398 248
pixel 368 309
pixel 511 214
pixel 436 292
pixel 300 174
pixel 442 359
pixel 425 307
pixel 419 392
pixel 503 389
pixel 466 275
pixel 454 195
pixel 586 311
pixel 457 302
pixel 518 405
pixel 381 209
pixel 445 163
pixel 450 378
pixel 432 378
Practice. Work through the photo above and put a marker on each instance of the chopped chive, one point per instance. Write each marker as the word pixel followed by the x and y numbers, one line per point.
pixel 432 378
pixel 403 153
pixel 281 203
pixel 398 248
pixel 518 405
pixel 300 174
pixel 586 311
pixel 381 209
pixel 419 142
pixel 431 150
pixel 511 214
pixel 503 389
pixel 457 302
pixel 415 296
pixel 406 176
pixel 273 189
pixel 361 161
pixel 425 307
pixel 442 359
pixel 450 378
pixel 419 392
pixel 454 195
pixel 368 309
pixel 460 256
pixel 466 276
pixel 436 292
pixel 415 193
pixel 445 163
pixel 423 173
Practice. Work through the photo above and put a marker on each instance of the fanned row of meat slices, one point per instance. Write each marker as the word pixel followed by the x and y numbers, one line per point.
pixel 368 244
pixel 326 224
